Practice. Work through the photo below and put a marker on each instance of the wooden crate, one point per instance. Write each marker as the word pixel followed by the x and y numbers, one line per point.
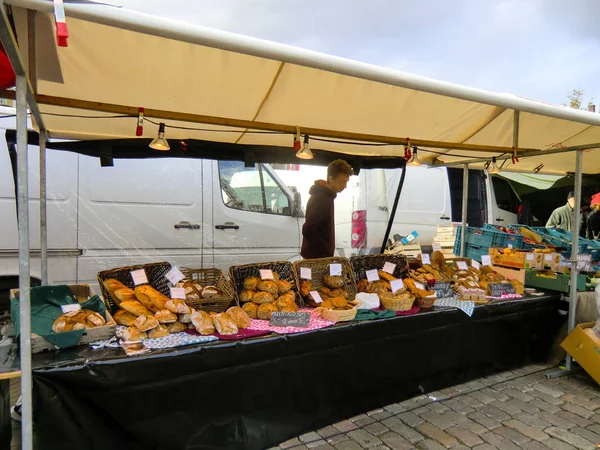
pixel 82 292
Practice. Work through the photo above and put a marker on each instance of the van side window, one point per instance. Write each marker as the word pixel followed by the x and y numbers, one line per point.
pixel 506 198
pixel 251 189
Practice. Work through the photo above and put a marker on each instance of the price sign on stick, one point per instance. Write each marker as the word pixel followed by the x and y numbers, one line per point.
pixel 139 277
pixel 305 273
pixel 475 264
pixel 425 259
pixel 462 265
pixel 335 270
pixel 437 247
pixel 178 293
pixel 266 274
pixel 397 285
pixel 372 275
pixel 486 260
pixel 316 296
pixel 389 267
pixel 174 275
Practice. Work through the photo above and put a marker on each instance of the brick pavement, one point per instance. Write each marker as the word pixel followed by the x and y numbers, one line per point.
pixel 519 409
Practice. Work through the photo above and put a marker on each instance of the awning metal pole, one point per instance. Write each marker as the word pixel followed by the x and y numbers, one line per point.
pixel 465 201
pixel 516 130
pixel 575 247
pixel 24 265
pixel 43 211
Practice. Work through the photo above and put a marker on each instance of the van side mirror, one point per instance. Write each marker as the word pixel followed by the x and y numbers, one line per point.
pixel 297 204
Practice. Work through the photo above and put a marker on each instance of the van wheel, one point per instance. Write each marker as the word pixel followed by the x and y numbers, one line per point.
pixel 6 284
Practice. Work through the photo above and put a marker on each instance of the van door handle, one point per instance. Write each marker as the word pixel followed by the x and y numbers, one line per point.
pixel 227 226
pixel 186 224
pixel 445 218
pixel 500 220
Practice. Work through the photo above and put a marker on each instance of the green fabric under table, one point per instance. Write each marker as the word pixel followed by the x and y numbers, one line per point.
pixel 369 314
pixel 46 307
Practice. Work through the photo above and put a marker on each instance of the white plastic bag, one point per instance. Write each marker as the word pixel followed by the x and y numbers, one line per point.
pixel 368 301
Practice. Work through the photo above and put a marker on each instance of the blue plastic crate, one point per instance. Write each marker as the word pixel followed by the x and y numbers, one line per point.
pixel 471 251
pixel 515 240
pixel 490 237
pixel 586 246
pixel 526 245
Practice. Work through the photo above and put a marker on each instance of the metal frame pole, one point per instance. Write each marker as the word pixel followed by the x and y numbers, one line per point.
pixel 465 201
pixel 24 265
pixel 516 130
pixel 43 211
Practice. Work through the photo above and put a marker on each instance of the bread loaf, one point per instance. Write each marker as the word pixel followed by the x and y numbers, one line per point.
pixel 165 316
pixel 113 285
pixel 203 323
pixel 239 317
pixel 135 308
pixel 124 295
pixel 177 306
pixel 158 332
pixel 132 334
pixel 264 311
pixel 176 327
pixel 224 324
pixel 145 323
pixel 250 309
pixel 152 296
pixel 246 296
pixel 125 318
pixel 262 297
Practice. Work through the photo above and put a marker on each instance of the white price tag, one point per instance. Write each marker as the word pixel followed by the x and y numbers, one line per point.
pixel 419 285
pixel 389 268
pixel 266 274
pixel 174 275
pixel 437 247
pixel 510 246
pixel 178 293
pixel 462 265
pixel 372 275
pixel 529 256
pixel 335 270
pixel 139 277
pixel 425 259
pixel 70 308
pixel 305 273
pixel 486 260
pixel 548 257
pixel 316 297
pixel 397 285
pixel 475 264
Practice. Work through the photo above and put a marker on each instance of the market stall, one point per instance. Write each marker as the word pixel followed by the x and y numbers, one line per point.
pixel 244 97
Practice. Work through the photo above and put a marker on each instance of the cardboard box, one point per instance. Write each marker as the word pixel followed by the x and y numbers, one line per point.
pixel 584 346
pixel 552 261
pixel 511 274
pixel 517 260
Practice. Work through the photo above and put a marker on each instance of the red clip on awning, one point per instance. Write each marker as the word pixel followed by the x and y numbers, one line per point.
pixel 62 33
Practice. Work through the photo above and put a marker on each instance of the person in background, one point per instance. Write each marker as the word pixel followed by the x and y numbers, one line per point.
pixel 563 217
pixel 318 231
pixel 593 222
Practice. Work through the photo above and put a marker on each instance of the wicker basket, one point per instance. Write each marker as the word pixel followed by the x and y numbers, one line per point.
pixel 426 302
pixel 320 267
pixel 343 315
pixel 211 277
pixel 360 265
pixel 155 272
pixel 392 303
pixel 284 269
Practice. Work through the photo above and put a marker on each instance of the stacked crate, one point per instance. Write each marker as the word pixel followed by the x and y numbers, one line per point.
pixel 445 237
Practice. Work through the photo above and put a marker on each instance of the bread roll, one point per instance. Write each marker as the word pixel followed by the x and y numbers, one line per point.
pixel 145 323
pixel 288 296
pixel 135 308
pixel 132 334
pixel 224 324
pixel 151 295
pixel 285 304
pixel 203 323
pixel 125 318
pixel 264 311
pixel 177 306
pixel 333 281
pixel 211 292
pixel 176 327
pixel 165 316
pixel 193 290
pixel 262 297
pixel 269 286
pixel 288 309
pixel 239 317
pixel 246 296
pixel 251 309
pixel 283 286
pixel 251 283
pixel 185 318
pixel 158 332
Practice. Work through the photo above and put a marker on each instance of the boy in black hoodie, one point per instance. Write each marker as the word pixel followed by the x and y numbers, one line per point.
pixel 318 230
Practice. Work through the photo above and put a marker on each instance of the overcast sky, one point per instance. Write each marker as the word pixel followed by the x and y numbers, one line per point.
pixel 539 49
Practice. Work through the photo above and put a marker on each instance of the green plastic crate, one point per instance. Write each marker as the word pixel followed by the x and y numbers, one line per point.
pixel 560 283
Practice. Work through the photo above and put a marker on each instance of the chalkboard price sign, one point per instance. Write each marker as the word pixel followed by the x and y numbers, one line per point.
pixel 499 289
pixel 290 319
pixel 443 289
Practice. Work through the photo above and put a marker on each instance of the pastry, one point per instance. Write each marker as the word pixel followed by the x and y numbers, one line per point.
pixel 132 334
pixel 165 316
pixel 135 308
pixel 262 297
pixel 251 309
pixel 283 286
pixel 341 293
pixel 203 323
pixel 145 323
pixel 176 327
pixel 125 318
pixel 177 306
pixel 339 302
pixel 286 305
pixel 239 317
pixel 305 288
pixel 289 309
pixel 124 295
pixel 185 318
pixel 150 295
pixel 268 286
pixel 158 332
pixel 264 311
pixel 210 292
pixel 333 281
pixel 363 286
pixel 386 276
pixel 224 324
pixel 327 304
pixel 326 292
pixel 246 296
pixel 251 283
pixel 289 295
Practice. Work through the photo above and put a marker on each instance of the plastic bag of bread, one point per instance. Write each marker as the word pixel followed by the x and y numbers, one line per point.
pixel 125 318
pixel 177 306
pixel 158 332
pixel 283 286
pixel 224 324
pixel 145 323
pixel 262 297
pixel 148 295
pixel 251 309
pixel 246 296
pixel 239 317
pixel 265 310
pixel 251 283
pixel 176 327
pixel 165 316
pixel 202 322
pixel 135 308
pixel 132 334
pixel 269 286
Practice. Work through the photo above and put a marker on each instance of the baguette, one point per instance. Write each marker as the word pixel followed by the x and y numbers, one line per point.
pixel 125 318
pixel 124 295
pixel 386 276
pixel 135 308
pixel 147 295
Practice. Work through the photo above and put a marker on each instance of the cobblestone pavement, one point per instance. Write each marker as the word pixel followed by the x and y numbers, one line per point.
pixel 520 409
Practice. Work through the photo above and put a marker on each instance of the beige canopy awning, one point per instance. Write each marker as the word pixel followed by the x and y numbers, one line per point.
pixel 212 85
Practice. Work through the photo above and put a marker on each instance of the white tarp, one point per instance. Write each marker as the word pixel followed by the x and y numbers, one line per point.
pixel 131 59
